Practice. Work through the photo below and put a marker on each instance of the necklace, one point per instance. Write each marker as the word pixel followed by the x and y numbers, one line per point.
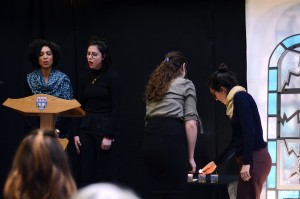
pixel 96 78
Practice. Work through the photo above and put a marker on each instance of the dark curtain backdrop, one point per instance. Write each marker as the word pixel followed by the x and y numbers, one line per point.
pixel 139 33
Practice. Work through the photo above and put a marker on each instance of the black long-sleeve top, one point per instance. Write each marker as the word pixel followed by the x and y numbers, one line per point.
pixel 102 97
pixel 247 130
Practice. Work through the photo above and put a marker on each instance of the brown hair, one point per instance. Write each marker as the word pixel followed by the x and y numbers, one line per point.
pixel 161 77
pixel 40 169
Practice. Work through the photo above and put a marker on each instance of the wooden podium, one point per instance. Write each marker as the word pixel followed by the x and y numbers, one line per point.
pixel 47 107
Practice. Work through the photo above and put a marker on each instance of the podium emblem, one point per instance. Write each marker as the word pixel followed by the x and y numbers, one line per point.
pixel 41 103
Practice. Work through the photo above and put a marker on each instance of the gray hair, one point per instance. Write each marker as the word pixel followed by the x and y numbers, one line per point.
pixel 104 191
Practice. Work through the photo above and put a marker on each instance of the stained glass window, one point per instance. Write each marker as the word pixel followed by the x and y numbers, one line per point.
pixel 283 131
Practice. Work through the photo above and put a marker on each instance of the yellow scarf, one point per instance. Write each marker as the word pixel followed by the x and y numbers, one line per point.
pixel 229 99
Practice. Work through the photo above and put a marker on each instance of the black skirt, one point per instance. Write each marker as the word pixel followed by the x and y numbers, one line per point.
pixel 165 155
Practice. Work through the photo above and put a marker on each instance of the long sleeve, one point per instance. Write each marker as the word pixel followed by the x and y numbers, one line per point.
pixel 247 133
pixel 244 113
pixel 225 155
pixel 115 105
pixel 79 97
pixel 102 97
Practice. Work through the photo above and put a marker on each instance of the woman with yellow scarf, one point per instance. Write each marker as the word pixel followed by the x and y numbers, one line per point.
pixel 247 141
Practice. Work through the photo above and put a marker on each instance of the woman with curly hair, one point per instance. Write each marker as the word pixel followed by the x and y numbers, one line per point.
pixel 40 169
pixel 44 56
pixel 171 128
pixel 46 78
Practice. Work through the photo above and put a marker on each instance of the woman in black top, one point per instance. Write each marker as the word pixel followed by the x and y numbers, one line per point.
pixel 247 141
pixel 99 95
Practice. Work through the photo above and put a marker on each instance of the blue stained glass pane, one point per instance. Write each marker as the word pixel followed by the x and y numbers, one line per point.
pixel 271 180
pixel 272 104
pixel 292 41
pixel 272 80
pixel 272 150
pixel 288 194
pixel 276 55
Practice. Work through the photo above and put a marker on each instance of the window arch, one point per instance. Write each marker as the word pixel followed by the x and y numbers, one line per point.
pixel 283 126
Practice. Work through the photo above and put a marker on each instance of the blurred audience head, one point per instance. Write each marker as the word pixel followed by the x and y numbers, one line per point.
pixel 105 191
pixel 40 169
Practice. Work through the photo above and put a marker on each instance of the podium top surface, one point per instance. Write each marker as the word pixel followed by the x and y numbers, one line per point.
pixel 45 104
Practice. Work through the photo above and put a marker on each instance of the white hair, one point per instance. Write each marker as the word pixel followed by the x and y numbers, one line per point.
pixel 104 191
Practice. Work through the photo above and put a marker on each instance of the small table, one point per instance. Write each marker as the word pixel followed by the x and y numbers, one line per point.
pixel 208 190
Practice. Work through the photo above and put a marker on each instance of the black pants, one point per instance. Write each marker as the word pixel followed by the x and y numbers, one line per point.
pixel 165 157
pixel 96 165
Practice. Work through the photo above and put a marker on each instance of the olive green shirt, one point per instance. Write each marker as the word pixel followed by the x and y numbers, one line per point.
pixel 180 101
